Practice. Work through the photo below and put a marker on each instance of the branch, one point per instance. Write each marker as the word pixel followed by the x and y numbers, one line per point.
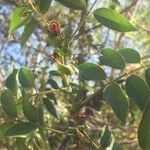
pixel 120 77
pixel 130 6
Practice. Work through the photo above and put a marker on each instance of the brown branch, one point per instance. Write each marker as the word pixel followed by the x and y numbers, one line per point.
pixel 130 6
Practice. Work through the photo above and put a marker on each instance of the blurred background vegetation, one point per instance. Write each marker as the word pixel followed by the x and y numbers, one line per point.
pixel 89 40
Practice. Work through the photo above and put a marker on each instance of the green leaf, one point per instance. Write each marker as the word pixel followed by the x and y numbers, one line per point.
pixel 12 83
pixel 64 69
pixel 28 30
pixel 130 55
pixel 91 71
pixel 26 78
pixel 8 103
pixel 50 107
pixel 137 90
pixel 20 17
pixel 40 116
pixel 75 88
pixel 76 106
pixel 51 96
pixel 117 99
pixel 55 41
pixel 147 76
pixel 105 137
pixel 144 128
pixel 73 4
pixel 19 104
pixel 16 129
pixel 22 129
pixel 54 73
pixel 43 5
pixel 113 20
pixel 4 127
pixel 30 112
pixel 112 58
pixel 53 83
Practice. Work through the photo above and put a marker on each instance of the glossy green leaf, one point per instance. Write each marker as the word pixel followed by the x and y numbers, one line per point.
pixel 112 58
pixel 8 103
pixel 105 137
pixel 64 69
pixel 130 55
pixel 144 128
pixel 113 20
pixel 91 71
pixel 28 30
pixel 26 78
pixel 117 99
pixel 137 90
pixel 12 83
pixel 22 129
pixel 73 4
pixel 20 17
pixel 50 107
pixel 147 76
pixel 30 112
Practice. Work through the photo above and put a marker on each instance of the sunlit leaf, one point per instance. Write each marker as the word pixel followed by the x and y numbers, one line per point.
pixel 19 17
pixel 28 30
pixel 113 20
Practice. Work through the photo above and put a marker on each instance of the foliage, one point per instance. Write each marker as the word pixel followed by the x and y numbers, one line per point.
pixel 31 105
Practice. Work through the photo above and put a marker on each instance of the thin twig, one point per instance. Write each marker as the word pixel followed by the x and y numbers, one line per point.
pixel 91 141
pixel 59 132
pixel 82 22
pixel 40 15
